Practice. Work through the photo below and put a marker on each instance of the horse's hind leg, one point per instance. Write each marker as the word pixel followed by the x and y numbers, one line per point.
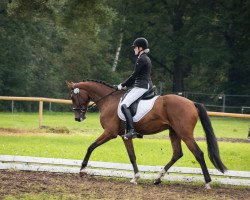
pixel 194 148
pixel 177 154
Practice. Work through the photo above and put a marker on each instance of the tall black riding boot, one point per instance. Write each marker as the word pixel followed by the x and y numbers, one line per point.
pixel 130 133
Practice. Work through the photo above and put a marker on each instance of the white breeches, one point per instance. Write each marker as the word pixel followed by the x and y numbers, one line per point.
pixel 133 95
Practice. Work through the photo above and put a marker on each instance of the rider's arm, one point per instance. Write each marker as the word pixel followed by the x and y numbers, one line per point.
pixel 131 80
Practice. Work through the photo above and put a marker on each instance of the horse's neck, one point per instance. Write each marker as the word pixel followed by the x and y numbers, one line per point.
pixel 96 90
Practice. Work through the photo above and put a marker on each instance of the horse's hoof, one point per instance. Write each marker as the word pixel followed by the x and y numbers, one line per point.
pixel 82 172
pixel 134 181
pixel 207 186
pixel 157 181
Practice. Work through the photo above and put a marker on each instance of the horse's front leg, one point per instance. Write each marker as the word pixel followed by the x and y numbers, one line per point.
pixel 131 153
pixel 106 136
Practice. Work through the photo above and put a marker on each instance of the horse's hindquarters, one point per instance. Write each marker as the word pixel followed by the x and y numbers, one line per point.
pixel 155 121
pixel 170 111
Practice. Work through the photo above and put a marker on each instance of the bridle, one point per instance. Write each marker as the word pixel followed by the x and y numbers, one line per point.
pixel 84 109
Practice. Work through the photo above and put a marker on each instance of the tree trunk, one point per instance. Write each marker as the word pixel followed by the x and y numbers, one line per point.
pixel 177 24
pixel 117 54
pixel 178 75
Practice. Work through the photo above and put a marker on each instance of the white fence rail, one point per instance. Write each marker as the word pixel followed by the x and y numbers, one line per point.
pixel 120 169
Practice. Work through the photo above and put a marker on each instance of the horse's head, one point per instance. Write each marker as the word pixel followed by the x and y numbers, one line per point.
pixel 80 101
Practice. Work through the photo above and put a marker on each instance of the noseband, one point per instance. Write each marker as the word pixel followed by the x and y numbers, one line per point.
pixel 81 109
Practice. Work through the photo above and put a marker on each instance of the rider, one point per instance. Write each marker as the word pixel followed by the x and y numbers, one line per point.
pixel 141 82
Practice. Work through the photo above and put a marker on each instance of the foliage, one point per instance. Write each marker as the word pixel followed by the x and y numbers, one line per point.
pixel 188 37
pixel 195 45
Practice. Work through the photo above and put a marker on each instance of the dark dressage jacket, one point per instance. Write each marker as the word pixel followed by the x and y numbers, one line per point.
pixel 141 75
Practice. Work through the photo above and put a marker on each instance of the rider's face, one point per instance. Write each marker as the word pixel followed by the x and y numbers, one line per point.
pixel 136 50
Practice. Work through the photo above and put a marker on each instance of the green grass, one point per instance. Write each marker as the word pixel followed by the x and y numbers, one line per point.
pixel 148 151
pixel 223 126
pixel 59 119
pixel 152 150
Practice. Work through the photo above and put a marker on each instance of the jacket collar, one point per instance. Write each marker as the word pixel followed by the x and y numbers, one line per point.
pixel 145 51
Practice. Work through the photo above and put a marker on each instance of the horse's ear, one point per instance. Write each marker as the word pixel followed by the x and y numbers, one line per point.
pixel 70 84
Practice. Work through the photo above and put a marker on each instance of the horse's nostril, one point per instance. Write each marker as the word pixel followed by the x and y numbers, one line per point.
pixel 77 119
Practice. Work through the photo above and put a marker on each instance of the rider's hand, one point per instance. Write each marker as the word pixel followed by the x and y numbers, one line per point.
pixel 119 87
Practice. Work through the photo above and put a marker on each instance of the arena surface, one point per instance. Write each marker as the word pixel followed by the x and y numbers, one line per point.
pixel 70 186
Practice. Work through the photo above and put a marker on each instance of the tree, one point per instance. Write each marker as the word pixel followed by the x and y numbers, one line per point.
pixel 63 40
pixel 234 15
pixel 188 39
pixel 196 45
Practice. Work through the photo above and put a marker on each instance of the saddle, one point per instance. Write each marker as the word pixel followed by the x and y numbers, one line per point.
pixel 148 95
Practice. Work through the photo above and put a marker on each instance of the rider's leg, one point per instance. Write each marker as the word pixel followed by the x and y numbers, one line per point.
pixel 131 97
pixel 130 133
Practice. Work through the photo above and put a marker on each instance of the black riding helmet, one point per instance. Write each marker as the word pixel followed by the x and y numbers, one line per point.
pixel 140 42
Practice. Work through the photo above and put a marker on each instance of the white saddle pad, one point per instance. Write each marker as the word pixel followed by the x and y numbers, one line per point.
pixel 143 108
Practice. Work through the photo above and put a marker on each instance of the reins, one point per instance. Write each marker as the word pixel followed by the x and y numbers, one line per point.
pixel 95 103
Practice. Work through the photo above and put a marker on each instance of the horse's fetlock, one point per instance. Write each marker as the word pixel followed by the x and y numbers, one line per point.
pixel 208 180
pixel 84 164
pixel 137 175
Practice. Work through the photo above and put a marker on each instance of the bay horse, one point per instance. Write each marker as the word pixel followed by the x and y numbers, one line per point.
pixel 172 112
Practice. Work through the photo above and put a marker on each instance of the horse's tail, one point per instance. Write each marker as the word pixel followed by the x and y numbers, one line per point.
pixel 213 149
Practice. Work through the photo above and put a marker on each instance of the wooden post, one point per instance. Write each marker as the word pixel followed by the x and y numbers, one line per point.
pixel 248 132
pixel 12 106
pixel 40 113
pixel 224 103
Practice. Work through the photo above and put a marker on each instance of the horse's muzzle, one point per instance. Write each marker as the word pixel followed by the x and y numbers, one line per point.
pixel 80 119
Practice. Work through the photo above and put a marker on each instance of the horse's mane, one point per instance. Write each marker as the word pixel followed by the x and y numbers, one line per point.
pixel 99 81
